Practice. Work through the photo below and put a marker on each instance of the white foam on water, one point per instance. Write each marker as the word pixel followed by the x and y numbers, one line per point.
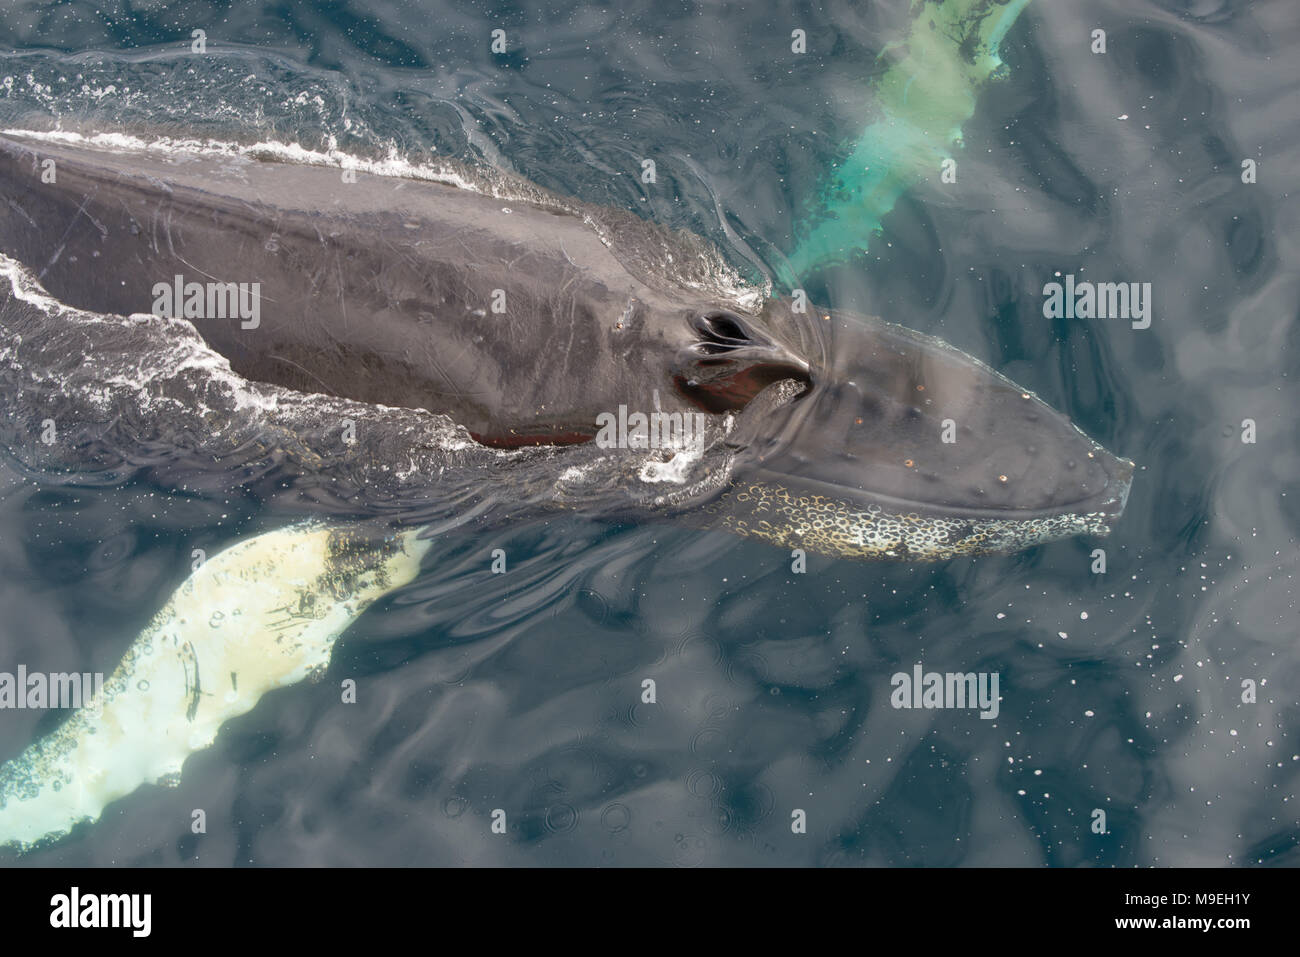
pixel 177 348
pixel 392 166
pixel 677 470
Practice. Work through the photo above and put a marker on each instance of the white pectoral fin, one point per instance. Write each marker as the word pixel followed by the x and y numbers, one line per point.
pixel 262 614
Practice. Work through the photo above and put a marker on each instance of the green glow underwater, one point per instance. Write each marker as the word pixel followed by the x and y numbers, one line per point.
pixel 924 97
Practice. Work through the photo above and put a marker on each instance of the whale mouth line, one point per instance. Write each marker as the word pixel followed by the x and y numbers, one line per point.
pixel 1109 502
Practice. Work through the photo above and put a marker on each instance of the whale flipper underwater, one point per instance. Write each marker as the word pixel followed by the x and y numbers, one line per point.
pixel 485 334
pixel 261 614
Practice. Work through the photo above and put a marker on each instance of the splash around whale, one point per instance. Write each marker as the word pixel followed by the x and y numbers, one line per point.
pixel 456 345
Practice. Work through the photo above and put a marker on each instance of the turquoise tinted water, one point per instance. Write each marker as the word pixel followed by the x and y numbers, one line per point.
pixel 1121 691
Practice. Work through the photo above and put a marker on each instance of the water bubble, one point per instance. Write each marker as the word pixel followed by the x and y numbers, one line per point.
pixel 561 818
pixel 703 783
pixel 616 818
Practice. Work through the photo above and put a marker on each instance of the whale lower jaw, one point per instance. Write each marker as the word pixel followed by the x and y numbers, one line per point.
pixel 816 523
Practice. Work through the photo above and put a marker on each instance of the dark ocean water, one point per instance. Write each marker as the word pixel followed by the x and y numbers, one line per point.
pixel 1121 691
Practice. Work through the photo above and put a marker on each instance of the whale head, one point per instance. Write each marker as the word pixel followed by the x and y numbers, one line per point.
pixel 864 439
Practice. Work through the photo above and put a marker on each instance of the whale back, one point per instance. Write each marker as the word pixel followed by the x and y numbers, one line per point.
pixel 513 317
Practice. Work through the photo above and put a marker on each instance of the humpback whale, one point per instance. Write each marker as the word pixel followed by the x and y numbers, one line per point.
pixel 446 333
pixel 523 318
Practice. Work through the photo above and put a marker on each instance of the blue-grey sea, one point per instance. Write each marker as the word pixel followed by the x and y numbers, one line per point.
pixel 1162 692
